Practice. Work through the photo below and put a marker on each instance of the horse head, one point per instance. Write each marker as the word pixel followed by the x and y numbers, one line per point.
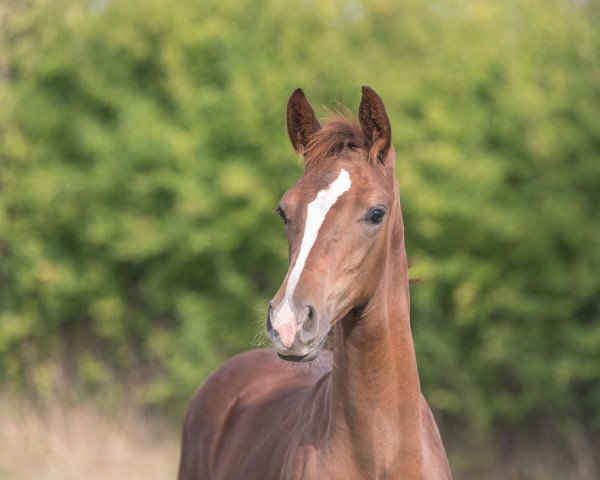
pixel 339 219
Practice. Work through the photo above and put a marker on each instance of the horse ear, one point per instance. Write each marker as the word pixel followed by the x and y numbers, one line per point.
pixel 302 122
pixel 375 124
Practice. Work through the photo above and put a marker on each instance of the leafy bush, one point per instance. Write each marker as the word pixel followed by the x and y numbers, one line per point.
pixel 144 150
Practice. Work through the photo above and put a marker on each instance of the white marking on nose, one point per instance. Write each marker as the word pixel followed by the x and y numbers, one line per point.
pixel 315 216
pixel 285 323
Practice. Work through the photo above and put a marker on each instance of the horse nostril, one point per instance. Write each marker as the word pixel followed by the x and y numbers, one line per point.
pixel 309 324
pixel 305 315
pixel 270 329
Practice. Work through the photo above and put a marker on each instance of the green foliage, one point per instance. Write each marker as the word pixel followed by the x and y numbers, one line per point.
pixel 143 151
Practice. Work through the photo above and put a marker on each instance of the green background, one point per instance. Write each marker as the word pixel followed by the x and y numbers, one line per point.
pixel 143 150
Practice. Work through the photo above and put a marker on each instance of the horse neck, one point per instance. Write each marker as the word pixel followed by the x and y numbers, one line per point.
pixel 376 396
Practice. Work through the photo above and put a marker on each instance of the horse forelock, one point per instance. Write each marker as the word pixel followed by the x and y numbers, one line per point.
pixel 339 135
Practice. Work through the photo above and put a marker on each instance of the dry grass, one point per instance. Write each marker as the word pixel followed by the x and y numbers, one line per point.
pixel 68 442
pixel 75 442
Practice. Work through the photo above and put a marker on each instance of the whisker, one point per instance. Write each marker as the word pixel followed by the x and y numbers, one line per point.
pixel 260 339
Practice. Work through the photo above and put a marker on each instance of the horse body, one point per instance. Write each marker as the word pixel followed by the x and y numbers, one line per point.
pixel 358 413
pixel 229 432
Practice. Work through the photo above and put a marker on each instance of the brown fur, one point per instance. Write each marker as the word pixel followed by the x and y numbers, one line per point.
pixel 340 134
pixel 359 413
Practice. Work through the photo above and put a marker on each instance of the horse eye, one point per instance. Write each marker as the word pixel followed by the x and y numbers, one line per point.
pixel 376 215
pixel 281 213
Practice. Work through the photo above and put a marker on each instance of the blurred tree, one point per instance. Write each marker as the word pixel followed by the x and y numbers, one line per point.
pixel 143 151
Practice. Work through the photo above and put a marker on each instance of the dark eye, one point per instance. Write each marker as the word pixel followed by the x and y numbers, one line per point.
pixel 376 215
pixel 281 213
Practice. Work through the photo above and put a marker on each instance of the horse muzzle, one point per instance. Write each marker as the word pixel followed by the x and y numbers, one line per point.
pixel 294 332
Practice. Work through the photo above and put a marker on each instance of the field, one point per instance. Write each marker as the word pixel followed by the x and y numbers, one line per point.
pixel 60 442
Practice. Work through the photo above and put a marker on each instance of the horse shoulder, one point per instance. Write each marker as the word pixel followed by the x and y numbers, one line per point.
pixel 212 408
pixel 233 407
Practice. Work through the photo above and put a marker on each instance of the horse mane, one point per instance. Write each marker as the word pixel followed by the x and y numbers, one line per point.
pixel 340 133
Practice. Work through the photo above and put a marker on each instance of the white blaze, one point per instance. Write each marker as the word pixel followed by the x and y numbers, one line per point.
pixel 284 320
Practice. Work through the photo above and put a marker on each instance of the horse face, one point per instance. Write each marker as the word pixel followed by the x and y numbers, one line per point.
pixel 337 219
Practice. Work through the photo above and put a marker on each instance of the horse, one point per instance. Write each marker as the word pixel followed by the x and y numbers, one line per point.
pixel 359 412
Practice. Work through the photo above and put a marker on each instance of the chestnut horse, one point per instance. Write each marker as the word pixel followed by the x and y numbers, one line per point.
pixel 359 413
